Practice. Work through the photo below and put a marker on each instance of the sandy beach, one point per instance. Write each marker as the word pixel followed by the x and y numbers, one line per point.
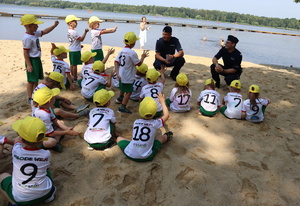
pixel 210 161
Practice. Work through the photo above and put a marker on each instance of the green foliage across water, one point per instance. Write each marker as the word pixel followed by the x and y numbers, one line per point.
pixel 200 14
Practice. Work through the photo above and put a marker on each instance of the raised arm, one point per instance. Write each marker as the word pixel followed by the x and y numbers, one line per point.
pixel 49 29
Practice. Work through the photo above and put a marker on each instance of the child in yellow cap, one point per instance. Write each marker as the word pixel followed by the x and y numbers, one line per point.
pixel 144 145
pixel 153 88
pixel 95 81
pixel 56 80
pixel 254 108
pixel 180 96
pixel 32 50
pixel 31 182
pixel 88 58
pixel 209 99
pixel 233 101
pixel 75 43
pixel 44 99
pixel 94 24
pixel 125 64
pixel 58 54
pixel 100 133
pixel 139 82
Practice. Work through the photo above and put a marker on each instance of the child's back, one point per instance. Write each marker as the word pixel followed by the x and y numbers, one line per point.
pixel 234 105
pixel 91 84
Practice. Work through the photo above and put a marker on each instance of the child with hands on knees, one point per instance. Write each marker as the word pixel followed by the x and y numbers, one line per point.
pixel 209 99
pixel 43 100
pixel 254 108
pixel 31 181
pixel 144 144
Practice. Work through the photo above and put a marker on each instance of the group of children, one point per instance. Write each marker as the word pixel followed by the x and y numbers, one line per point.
pixel 31 180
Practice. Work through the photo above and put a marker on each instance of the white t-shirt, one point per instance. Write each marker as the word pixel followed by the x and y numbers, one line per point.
pixel 98 130
pixel 86 70
pixel 47 116
pixel 234 104
pixel 39 86
pixel 115 80
pixel 209 100
pixel 143 136
pixel 91 84
pixel 31 42
pixel 3 139
pixel 180 102
pixel 75 44
pixel 257 114
pixel 127 60
pixel 138 84
pixel 29 180
pixel 96 38
pixel 152 90
pixel 60 66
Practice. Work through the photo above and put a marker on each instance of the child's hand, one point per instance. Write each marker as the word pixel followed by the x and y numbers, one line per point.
pixel 86 30
pixel 53 46
pixel 72 87
pixel 161 97
pixel 71 132
pixel 162 70
pixel 56 23
pixel 115 29
pixel 110 51
pixel 67 101
pixel 29 68
pixel 145 53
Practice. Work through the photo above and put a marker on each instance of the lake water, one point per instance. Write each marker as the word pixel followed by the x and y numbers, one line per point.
pixel 255 47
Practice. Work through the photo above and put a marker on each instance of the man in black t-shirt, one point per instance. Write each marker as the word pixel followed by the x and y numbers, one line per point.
pixel 165 53
pixel 232 59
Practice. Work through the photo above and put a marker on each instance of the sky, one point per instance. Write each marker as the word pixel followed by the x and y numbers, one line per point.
pixel 267 8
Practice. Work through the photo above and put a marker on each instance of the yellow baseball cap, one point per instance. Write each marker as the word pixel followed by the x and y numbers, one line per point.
pixel 30 128
pixel 98 66
pixel 148 107
pixel 182 79
pixel 102 96
pixel 143 68
pixel 236 84
pixel 72 17
pixel 44 95
pixel 85 56
pixel 130 38
pixel 59 50
pixel 58 77
pixel 209 81
pixel 152 75
pixel 29 19
pixel 94 18
pixel 254 88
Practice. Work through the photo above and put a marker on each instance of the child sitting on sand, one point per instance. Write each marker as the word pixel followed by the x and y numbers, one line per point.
pixel 209 99
pixel 144 145
pixel 44 99
pixel 95 81
pixel 153 88
pixel 139 82
pixel 100 133
pixel 254 108
pixel 58 54
pixel 233 101
pixel 180 97
pixel 31 182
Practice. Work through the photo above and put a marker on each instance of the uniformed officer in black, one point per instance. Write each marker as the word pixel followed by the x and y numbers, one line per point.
pixel 232 59
pixel 165 53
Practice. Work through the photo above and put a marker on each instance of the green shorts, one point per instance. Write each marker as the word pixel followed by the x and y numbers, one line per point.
pixel 37 72
pixel 99 55
pixel 207 113
pixel 168 102
pixel 75 58
pixel 125 87
pixel 6 186
pixel 222 110
pixel 102 146
pixel 156 146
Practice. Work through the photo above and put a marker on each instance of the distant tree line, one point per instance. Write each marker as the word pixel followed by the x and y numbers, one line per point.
pixel 200 14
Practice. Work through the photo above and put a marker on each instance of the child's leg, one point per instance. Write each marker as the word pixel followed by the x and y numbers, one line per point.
pixel 120 139
pixel 126 98
pixel 2 177
pixel 74 71
pixel 166 137
pixel 67 106
pixel 51 142
pixel 30 87
pixel 65 114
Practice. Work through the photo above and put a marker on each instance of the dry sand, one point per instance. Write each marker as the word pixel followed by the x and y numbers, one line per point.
pixel 211 161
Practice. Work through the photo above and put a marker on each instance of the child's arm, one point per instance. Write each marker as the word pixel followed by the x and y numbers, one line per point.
pixel 109 52
pixel 117 70
pixel 49 29
pixel 29 67
pixel 223 101
pixel 243 115
pixel 108 84
pixel 83 35
pixel 161 99
pixel 144 55
pixel 110 30
pixel 52 48
pixel 162 75
pixel 70 81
